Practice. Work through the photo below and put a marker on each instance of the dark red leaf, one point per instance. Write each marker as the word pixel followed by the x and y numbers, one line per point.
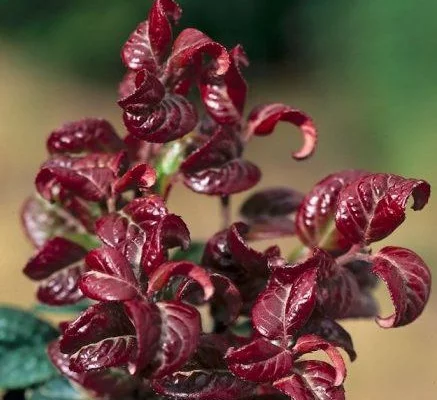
pixel 372 207
pixel 58 264
pixel 147 321
pixel 310 343
pixel 315 217
pixel 43 221
pixel 113 382
pixel 203 385
pixel 313 380
pixel 111 277
pixel 408 280
pixel 233 177
pixel 87 135
pixel 89 177
pixel 101 337
pixel 225 96
pixel 288 300
pixel 332 332
pixel 260 361
pixel 264 118
pixel 141 151
pixel 162 275
pixel 179 336
pixel 148 44
pixel 190 46
pixel 140 177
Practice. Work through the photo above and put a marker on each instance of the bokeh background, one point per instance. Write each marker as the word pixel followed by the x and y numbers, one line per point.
pixel 364 69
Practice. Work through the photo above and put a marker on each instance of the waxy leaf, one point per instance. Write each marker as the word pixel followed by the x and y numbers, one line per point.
pixel 288 300
pixel 111 277
pixel 315 224
pixel 264 118
pixel 148 44
pixel 203 385
pixel 150 114
pixel 100 337
pixel 161 277
pixel 91 135
pixel 260 361
pixel 408 280
pixel 309 343
pixel 89 177
pixel 140 177
pixel 179 336
pixel 225 96
pixel 58 265
pixel 372 207
pixel 313 380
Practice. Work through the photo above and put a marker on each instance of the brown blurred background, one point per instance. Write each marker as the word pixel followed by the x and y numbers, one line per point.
pixel 364 70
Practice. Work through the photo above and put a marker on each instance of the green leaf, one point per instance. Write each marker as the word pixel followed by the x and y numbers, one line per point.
pixel 70 309
pixel 168 163
pixel 25 366
pixel 243 328
pixel 87 241
pixel 193 253
pixel 18 327
pixel 56 389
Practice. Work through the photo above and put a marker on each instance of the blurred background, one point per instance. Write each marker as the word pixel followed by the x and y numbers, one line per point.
pixel 364 70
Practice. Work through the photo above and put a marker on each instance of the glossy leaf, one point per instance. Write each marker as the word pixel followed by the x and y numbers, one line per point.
pixel 147 45
pixel 161 277
pixel 408 280
pixel 203 385
pixel 264 118
pixel 315 218
pixel 225 96
pixel 111 277
pixel 58 264
pixel 288 300
pixel 372 207
pixel 260 361
pixel 179 336
pixel 140 177
pixel 89 177
pixel 314 380
pixel 87 135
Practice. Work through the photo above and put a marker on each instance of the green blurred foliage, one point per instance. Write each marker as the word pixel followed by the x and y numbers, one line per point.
pixel 85 36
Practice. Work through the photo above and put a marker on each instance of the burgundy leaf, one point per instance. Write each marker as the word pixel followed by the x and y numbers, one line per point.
pixel 332 332
pixel 87 135
pixel 42 221
pixel 161 276
pixel 203 385
pixel 288 300
pixel 225 96
pixel 111 277
pixel 141 151
pixel 372 207
pixel 101 337
pixel 309 343
pixel 313 380
pixel 89 177
pixel 139 177
pixel 408 280
pixel 264 118
pixel 233 177
pixel 260 361
pixel 188 49
pixel 147 321
pixel 179 336
pixel 113 382
pixel 148 44
pixel 315 217
pixel 58 264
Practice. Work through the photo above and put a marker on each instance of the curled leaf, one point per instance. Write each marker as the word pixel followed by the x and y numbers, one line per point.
pixel 264 118
pixel 140 177
pixel 408 280
pixel 372 207
pixel 89 135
